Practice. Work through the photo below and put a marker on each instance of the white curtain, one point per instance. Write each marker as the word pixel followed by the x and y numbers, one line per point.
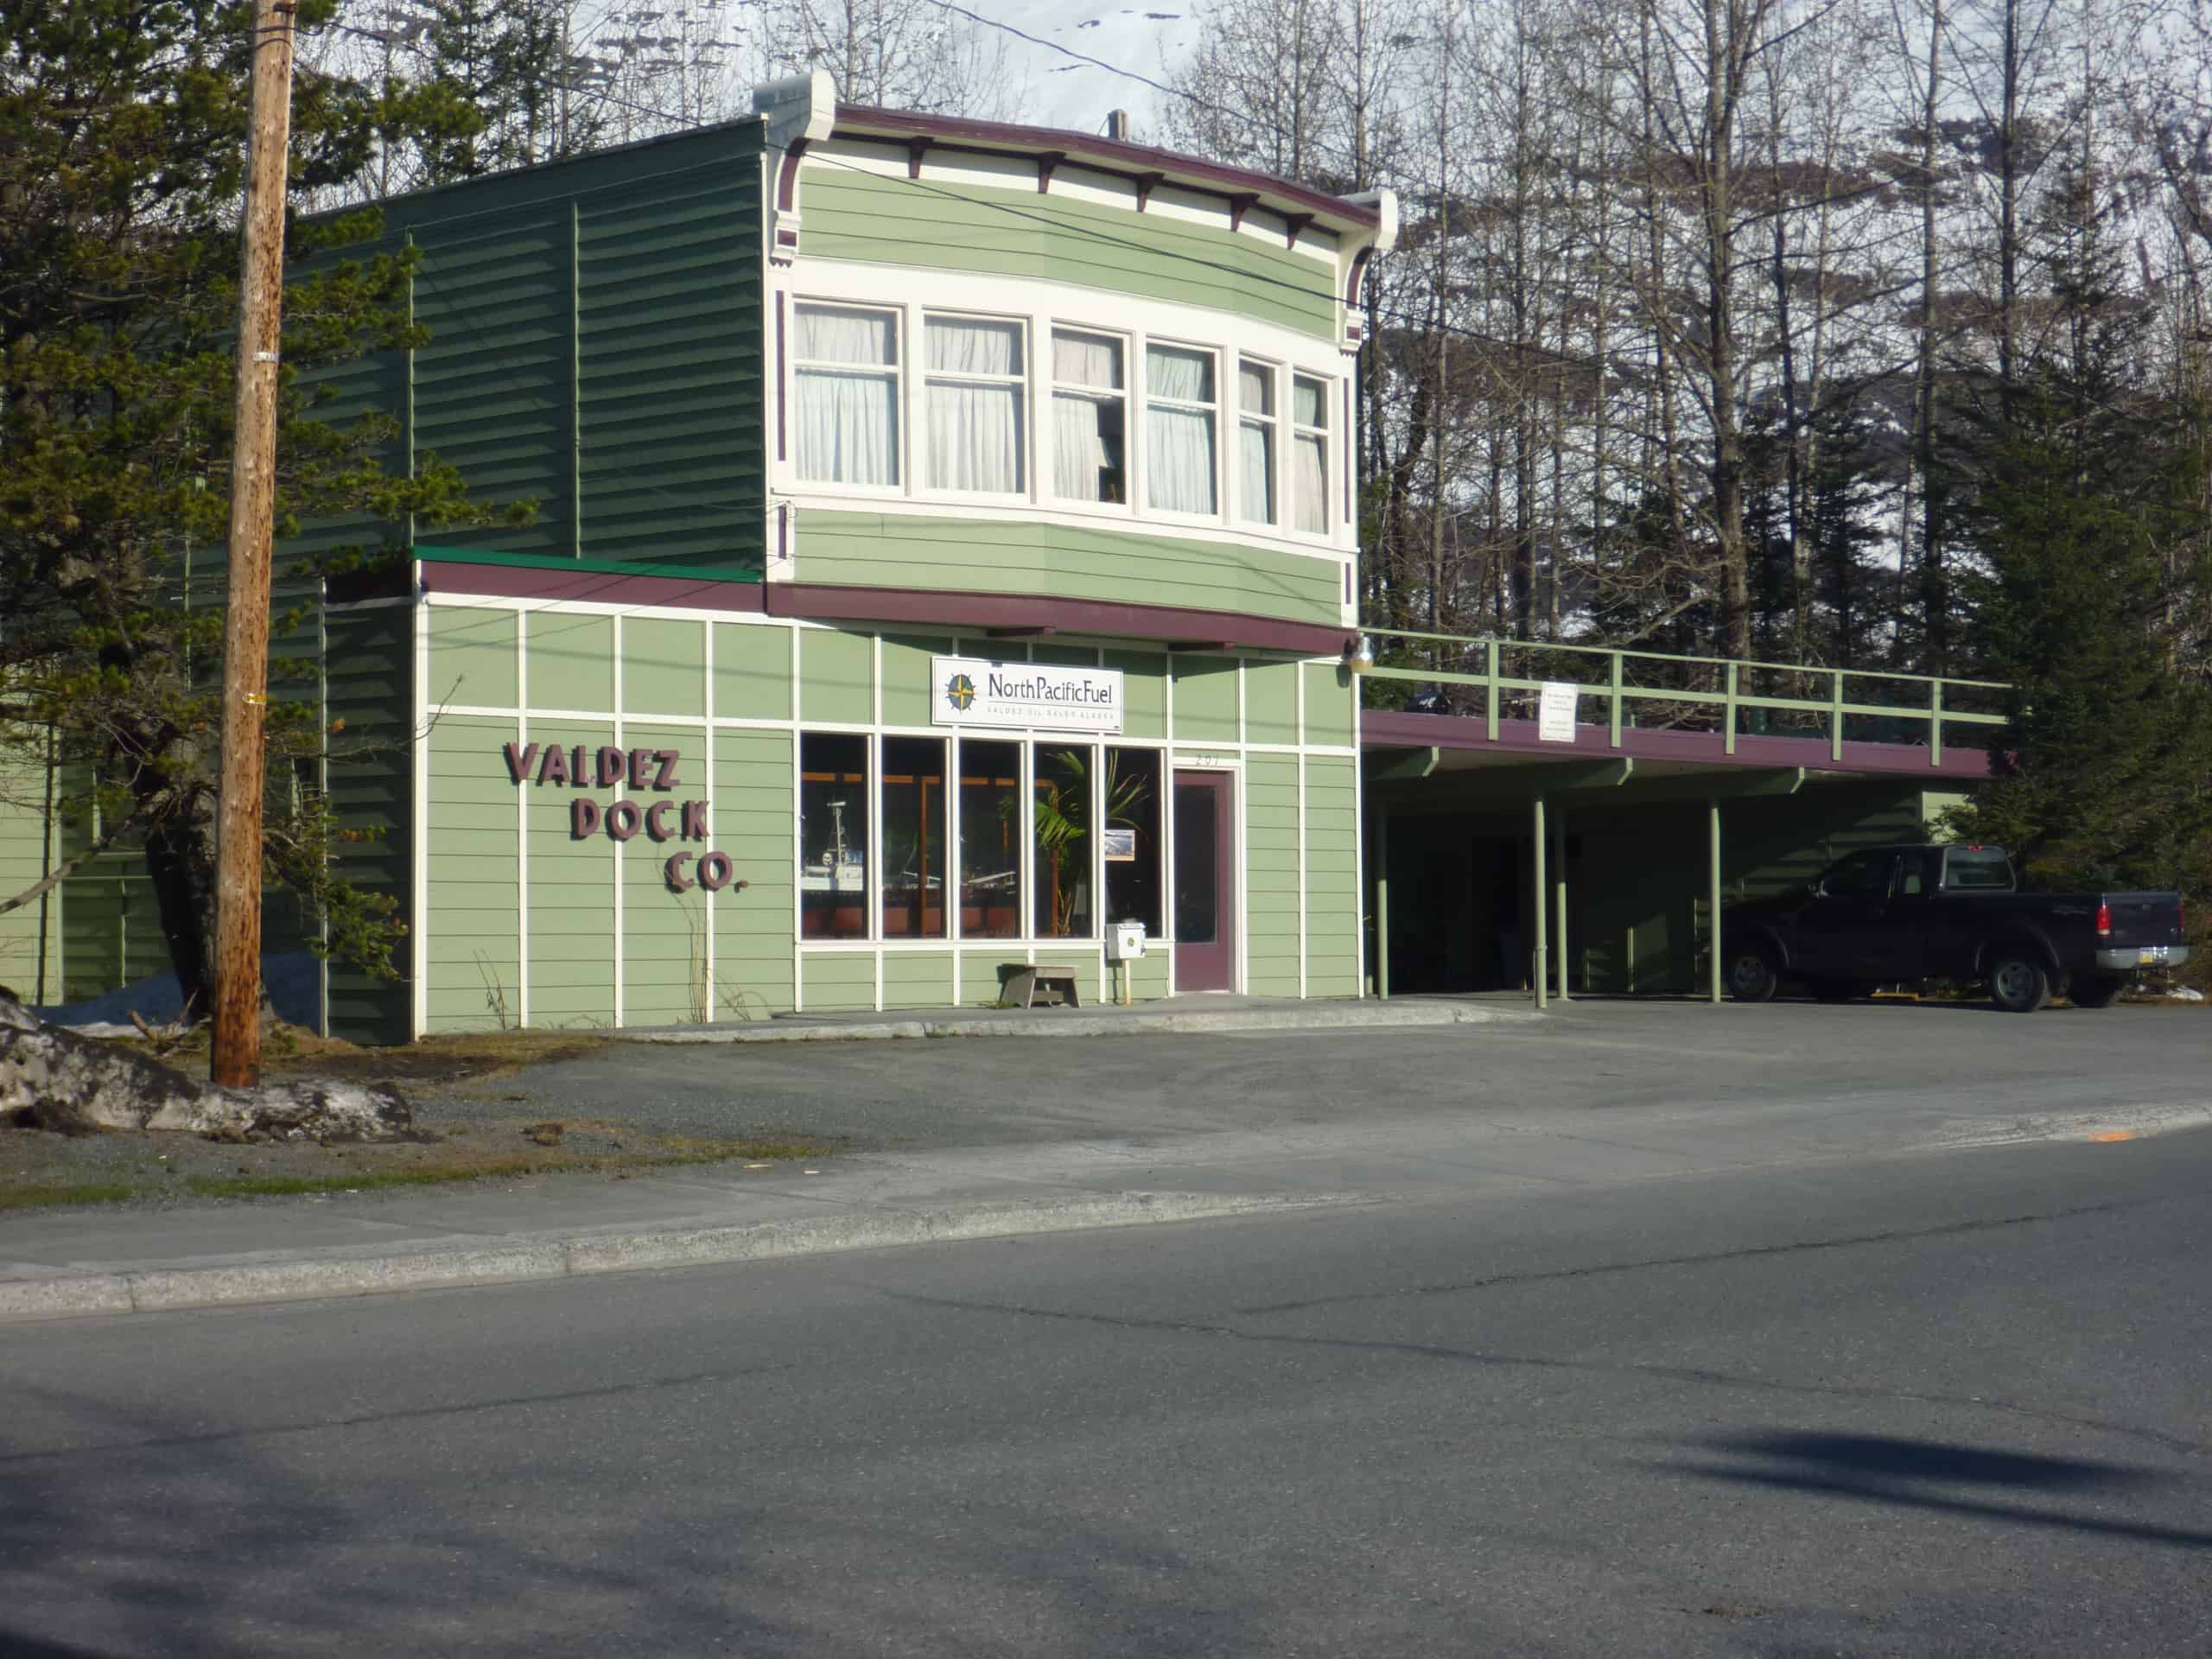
pixel 1310 487
pixel 1308 402
pixel 1087 360
pixel 848 427
pixel 1081 449
pixel 1178 442
pixel 974 437
pixel 973 431
pixel 847 421
pixel 1256 482
pixel 832 334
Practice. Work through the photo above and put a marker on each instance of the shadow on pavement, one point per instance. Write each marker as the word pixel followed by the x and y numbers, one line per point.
pixel 1925 1474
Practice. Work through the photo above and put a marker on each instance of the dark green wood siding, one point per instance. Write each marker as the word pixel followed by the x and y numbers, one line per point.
pixel 369 667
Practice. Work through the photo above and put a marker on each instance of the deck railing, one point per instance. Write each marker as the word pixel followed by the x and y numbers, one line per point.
pixel 1506 678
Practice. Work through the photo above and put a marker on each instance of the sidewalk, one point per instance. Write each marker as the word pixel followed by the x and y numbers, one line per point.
pixel 104 1259
pixel 1186 1015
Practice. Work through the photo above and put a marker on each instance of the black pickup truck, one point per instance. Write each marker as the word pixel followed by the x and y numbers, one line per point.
pixel 1923 912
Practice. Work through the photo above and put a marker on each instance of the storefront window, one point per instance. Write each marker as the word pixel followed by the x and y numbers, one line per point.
pixel 833 837
pixel 1131 837
pixel 913 838
pixel 991 850
pixel 1065 845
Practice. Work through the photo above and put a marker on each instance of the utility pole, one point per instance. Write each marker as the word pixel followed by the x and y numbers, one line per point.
pixel 235 1056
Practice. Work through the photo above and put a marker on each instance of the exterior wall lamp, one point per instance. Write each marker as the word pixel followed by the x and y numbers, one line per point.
pixel 1359 654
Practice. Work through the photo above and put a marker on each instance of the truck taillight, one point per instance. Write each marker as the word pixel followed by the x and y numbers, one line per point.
pixel 2104 921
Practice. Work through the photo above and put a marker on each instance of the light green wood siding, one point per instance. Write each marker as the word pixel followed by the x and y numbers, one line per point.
pixel 27 853
pixel 1144 690
pixel 979 971
pixel 1331 704
pixel 663 666
pixel 1205 699
pixel 1331 829
pixel 1271 703
pixel 909 694
pixel 855 215
pixel 918 979
pixel 967 555
pixel 838 982
pixel 1271 889
pixel 571 893
pixel 664 932
pixel 571 662
pixel 753 672
pixel 472 656
pixel 474 898
pixel 753 822
pixel 837 678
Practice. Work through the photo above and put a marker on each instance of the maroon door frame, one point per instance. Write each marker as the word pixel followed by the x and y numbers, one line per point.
pixel 1202 963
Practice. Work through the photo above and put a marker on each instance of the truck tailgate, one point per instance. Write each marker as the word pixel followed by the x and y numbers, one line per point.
pixel 2142 919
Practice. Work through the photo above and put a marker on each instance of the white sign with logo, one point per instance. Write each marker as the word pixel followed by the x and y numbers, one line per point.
pixel 1555 711
pixel 968 691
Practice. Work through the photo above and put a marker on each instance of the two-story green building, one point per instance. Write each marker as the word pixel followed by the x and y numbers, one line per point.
pixel 944 553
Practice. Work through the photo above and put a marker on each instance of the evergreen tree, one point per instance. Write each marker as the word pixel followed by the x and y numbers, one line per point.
pixel 123 131
pixel 2086 502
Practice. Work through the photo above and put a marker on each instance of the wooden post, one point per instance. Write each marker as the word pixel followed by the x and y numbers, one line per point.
pixel 1559 891
pixel 1713 893
pixel 235 1052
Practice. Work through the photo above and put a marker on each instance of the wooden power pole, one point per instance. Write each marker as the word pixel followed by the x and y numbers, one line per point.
pixel 235 1055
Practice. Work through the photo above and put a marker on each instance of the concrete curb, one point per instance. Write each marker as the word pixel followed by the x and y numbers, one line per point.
pixel 568 1256
pixel 1054 1022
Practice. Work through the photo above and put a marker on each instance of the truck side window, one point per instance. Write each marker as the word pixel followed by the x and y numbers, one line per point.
pixel 1913 880
pixel 1863 875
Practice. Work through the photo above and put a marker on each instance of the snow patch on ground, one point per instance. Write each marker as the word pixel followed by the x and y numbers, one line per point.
pixel 294 979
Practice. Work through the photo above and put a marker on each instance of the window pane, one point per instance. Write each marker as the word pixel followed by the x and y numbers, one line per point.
pixel 833 837
pixel 1087 360
pixel 960 345
pixel 848 427
pixel 1256 480
pixel 1309 401
pixel 1087 448
pixel 1256 389
pixel 1174 372
pixel 974 437
pixel 913 838
pixel 1064 846
pixel 1309 490
pixel 1179 458
pixel 990 856
pixel 1132 784
pixel 828 334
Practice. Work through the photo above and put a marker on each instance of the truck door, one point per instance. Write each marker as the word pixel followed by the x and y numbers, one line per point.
pixel 1902 948
pixel 1840 931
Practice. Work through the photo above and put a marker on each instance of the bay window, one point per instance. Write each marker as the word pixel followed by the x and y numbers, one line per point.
pixel 1255 479
pixel 1089 408
pixel 1180 406
pixel 973 389
pixel 1309 414
pixel 847 387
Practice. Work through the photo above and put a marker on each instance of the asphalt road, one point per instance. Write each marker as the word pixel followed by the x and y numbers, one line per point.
pixel 1953 1403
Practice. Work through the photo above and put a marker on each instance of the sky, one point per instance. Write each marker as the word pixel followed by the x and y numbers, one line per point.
pixel 1148 39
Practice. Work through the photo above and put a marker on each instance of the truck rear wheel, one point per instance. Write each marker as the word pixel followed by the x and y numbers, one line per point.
pixel 1752 976
pixel 2019 982
pixel 2100 992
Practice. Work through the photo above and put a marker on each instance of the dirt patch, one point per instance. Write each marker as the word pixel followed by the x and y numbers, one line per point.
pixel 472 1106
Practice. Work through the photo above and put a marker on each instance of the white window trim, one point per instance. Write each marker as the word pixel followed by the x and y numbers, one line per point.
pixel 1277 421
pixel 928 489
pixel 1167 515
pixel 901 348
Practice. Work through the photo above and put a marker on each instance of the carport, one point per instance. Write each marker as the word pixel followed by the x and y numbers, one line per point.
pixel 1507 853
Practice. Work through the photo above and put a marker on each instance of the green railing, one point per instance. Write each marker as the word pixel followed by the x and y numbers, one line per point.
pixel 1713 694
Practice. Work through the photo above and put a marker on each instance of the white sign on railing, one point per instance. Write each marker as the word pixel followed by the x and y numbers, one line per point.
pixel 1555 711
pixel 968 691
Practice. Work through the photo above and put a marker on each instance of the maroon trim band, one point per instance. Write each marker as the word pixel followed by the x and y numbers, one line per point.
pixel 783 379
pixel 787 176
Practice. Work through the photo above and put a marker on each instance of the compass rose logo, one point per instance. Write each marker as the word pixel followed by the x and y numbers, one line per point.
pixel 960 692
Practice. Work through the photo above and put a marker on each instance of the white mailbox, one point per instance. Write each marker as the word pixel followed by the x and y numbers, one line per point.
pixel 1124 941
